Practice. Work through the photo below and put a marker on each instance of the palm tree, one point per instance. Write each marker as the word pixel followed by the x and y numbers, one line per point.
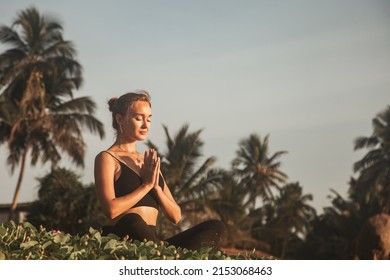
pixel 293 214
pixel 374 167
pixel 368 197
pixel 189 182
pixel 38 113
pixel 228 204
pixel 333 234
pixel 285 221
pixel 258 172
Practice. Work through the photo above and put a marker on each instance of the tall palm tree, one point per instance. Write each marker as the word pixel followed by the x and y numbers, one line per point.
pixel 374 167
pixel 38 113
pixel 258 172
pixel 189 181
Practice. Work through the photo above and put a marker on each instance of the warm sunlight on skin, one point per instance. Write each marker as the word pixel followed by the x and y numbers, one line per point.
pixel 136 123
pixel 133 125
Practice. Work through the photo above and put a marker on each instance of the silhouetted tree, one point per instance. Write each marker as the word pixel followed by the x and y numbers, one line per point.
pixel 257 171
pixel 64 203
pixel 38 114
pixel 289 219
pixel 373 184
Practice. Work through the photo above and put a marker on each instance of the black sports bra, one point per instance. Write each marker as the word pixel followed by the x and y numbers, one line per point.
pixel 129 181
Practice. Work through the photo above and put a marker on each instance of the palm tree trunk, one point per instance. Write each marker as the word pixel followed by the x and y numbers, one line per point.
pixel 12 211
pixel 284 244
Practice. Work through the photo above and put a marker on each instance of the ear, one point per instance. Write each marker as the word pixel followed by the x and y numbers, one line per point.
pixel 119 119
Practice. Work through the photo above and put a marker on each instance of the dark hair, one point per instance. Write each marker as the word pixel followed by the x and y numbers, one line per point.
pixel 123 103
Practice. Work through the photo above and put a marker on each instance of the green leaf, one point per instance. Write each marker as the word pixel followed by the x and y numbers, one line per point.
pixel 47 244
pixel 96 234
pixel 61 238
pixel 3 230
pixel 2 256
pixel 28 245
pixel 28 225
pixel 149 244
pixel 111 244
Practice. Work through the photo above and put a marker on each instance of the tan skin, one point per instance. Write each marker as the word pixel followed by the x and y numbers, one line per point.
pixel 135 126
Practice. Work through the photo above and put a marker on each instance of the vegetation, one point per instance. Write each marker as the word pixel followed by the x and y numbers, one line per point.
pixel 25 242
pixel 372 188
pixel 259 174
pixel 38 113
pixel 261 208
pixel 65 203
pixel 334 234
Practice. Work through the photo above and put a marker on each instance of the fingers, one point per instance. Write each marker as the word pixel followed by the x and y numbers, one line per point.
pixel 157 171
pixel 151 166
pixel 150 158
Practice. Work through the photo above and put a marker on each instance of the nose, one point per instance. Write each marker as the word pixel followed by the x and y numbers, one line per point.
pixel 145 124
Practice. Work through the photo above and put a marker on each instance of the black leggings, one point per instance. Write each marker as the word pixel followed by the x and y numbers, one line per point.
pixel 209 233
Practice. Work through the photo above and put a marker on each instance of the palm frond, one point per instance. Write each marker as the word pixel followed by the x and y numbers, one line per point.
pixel 11 37
pixel 200 172
pixel 76 105
pixel 365 142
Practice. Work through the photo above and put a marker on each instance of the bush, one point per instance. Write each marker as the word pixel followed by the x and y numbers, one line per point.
pixel 23 242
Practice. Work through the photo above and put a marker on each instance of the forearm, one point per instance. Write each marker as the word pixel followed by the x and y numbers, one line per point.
pixel 168 206
pixel 119 205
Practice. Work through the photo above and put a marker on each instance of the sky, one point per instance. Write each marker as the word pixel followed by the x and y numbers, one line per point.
pixel 310 74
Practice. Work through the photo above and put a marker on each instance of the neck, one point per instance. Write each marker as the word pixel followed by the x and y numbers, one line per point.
pixel 129 147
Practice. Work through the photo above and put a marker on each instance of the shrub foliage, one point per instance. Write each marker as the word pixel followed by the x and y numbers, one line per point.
pixel 24 242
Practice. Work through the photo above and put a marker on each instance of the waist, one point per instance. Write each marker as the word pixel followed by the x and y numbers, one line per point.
pixel 147 213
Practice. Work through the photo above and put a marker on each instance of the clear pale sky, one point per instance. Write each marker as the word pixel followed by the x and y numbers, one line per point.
pixel 312 74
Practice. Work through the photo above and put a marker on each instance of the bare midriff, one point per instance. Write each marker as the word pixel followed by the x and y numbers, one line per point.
pixel 147 213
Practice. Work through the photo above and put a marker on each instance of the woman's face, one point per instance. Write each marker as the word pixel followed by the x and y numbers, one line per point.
pixel 136 123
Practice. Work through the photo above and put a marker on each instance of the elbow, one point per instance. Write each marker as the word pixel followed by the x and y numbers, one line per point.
pixel 177 218
pixel 110 213
pixel 111 216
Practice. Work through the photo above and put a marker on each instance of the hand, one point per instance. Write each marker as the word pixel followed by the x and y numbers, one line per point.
pixel 150 169
pixel 157 174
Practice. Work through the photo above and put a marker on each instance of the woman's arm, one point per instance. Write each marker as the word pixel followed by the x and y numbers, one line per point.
pixel 104 171
pixel 167 203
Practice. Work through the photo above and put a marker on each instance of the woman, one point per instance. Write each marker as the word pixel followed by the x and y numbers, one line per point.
pixel 130 186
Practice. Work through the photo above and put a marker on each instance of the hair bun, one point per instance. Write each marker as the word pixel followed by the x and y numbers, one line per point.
pixel 112 103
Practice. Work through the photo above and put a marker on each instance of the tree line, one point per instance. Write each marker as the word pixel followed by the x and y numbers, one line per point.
pixel 262 209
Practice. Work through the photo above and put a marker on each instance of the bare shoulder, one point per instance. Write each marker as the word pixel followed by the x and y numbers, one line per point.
pixel 101 156
pixel 104 158
pixel 106 165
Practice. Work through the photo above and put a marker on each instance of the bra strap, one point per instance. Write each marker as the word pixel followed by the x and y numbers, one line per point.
pixel 115 157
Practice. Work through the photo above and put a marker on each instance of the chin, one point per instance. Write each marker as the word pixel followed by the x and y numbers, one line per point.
pixel 141 137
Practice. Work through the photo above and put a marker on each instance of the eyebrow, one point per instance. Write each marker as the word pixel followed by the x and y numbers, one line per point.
pixel 140 114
